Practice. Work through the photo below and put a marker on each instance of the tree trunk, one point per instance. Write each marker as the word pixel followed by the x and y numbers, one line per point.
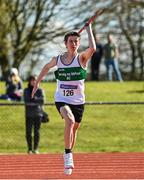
pixel 132 75
pixel 141 63
pixel 4 62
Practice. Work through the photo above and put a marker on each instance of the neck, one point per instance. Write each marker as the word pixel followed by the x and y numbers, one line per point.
pixel 68 57
pixel 70 54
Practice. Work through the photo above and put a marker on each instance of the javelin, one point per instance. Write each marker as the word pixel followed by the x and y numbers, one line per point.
pixel 97 13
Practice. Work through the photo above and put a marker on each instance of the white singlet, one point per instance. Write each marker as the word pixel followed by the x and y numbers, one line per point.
pixel 70 82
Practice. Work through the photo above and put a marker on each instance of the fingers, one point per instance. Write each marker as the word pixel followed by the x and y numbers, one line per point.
pixel 87 26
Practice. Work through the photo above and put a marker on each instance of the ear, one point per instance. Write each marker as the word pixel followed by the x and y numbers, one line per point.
pixel 65 42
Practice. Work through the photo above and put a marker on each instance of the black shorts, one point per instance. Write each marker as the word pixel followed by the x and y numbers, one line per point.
pixel 77 110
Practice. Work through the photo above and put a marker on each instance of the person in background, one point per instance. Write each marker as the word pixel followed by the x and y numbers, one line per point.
pixel 96 59
pixel 111 54
pixel 14 88
pixel 69 95
pixel 33 115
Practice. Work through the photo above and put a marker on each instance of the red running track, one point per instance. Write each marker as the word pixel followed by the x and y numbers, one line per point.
pixel 87 166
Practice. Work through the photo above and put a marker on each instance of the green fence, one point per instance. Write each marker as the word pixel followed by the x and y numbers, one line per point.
pixel 106 126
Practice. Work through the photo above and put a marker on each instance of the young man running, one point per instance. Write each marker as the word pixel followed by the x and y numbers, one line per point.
pixel 69 95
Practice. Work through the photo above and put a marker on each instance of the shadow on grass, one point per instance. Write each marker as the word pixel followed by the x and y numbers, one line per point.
pixel 137 91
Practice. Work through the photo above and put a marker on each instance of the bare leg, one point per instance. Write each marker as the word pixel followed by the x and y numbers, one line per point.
pixel 75 128
pixel 69 124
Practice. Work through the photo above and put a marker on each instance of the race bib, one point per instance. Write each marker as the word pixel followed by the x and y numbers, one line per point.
pixel 68 90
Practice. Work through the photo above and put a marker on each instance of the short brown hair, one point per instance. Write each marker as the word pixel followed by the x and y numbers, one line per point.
pixel 72 33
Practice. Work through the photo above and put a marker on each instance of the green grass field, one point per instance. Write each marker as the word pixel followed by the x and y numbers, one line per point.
pixel 105 128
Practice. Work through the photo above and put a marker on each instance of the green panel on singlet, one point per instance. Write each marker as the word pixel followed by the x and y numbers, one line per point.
pixel 70 74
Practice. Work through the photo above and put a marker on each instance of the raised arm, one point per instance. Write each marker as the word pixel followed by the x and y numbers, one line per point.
pixel 87 54
pixel 44 71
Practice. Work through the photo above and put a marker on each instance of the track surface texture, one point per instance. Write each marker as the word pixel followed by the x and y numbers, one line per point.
pixel 87 166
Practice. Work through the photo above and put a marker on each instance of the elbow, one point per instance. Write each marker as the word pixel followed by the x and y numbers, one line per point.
pixel 93 50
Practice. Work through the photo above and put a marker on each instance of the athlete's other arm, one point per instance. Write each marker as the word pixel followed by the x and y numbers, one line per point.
pixel 87 54
pixel 44 71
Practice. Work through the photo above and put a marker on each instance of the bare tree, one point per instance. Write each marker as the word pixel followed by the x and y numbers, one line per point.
pixel 131 19
pixel 126 20
pixel 4 43
pixel 30 24
pixel 27 26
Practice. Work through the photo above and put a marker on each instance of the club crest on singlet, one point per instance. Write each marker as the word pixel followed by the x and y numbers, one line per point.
pixel 70 74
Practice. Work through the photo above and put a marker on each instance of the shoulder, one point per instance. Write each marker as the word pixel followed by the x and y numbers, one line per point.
pixel 26 90
pixel 60 57
pixel 52 62
pixel 40 91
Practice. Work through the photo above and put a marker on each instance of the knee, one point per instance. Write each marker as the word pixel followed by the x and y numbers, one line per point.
pixel 69 121
pixel 67 115
pixel 76 126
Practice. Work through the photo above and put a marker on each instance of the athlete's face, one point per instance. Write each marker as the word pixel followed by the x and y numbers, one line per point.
pixel 73 43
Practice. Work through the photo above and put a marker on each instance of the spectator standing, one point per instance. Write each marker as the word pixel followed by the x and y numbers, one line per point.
pixel 33 115
pixel 111 55
pixel 96 59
